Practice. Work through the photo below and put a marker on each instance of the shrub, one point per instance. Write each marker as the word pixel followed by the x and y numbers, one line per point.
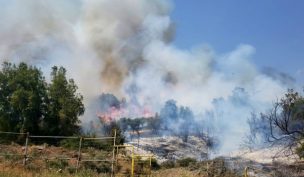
pixel 300 151
pixel 154 164
pixel 57 164
pixel 168 164
pixel 186 162
pixel 70 143
pixel 101 167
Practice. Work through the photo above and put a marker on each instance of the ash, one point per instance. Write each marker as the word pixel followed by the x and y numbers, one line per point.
pixel 171 147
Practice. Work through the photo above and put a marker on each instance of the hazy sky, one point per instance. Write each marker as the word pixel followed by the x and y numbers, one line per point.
pixel 275 28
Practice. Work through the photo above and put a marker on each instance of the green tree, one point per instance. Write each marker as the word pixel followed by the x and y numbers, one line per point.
pixel 64 105
pixel 22 98
pixel 119 134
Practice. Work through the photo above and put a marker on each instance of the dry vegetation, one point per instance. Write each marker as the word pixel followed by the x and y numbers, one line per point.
pixel 11 166
pixel 37 166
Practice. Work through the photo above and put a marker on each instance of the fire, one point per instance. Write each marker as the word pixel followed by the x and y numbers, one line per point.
pixel 114 114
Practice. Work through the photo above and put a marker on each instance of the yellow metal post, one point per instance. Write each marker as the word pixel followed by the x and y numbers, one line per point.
pixel 113 157
pixel 132 166
pixel 246 172
pixel 132 156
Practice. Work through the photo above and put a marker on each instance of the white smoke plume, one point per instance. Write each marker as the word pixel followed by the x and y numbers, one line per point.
pixel 124 47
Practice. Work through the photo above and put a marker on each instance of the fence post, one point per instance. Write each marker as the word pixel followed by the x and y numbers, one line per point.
pixel 26 147
pixel 79 154
pixel 116 156
pixel 132 165
pixel 207 169
pixel 150 173
pixel 113 158
pixel 246 172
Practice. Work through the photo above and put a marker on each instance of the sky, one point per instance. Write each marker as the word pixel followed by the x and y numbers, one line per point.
pixel 275 28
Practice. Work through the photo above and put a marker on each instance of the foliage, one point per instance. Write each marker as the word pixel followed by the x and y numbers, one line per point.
pixel 136 125
pixel 109 130
pixel 64 106
pixel 186 162
pixel 70 143
pixel 169 113
pixel 288 117
pixel 168 164
pixel 124 124
pixel 29 104
pixel 101 167
pixel 154 164
pixel 154 123
pixel 57 164
pixel 116 131
pixel 22 98
pixel 186 116
pixel 107 101
pixel 300 151
pixel 284 124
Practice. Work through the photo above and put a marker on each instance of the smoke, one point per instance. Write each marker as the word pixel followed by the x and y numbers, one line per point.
pixel 279 76
pixel 124 47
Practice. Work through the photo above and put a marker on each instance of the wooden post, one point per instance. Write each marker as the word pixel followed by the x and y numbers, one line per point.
pixel 207 169
pixel 117 155
pixel 113 158
pixel 26 148
pixel 79 154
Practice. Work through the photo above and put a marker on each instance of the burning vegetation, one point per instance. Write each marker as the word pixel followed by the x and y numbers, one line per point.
pixel 140 121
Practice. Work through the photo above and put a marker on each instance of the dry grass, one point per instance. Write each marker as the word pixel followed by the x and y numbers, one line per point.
pixel 21 172
pixel 175 172
pixel 11 166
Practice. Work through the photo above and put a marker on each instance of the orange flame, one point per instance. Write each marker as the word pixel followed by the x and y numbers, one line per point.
pixel 114 114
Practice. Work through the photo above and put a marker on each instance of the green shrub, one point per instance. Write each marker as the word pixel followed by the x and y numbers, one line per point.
pixel 300 151
pixel 70 143
pixel 168 164
pixel 57 164
pixel 154 164
pixel 186 162
pixel 99 167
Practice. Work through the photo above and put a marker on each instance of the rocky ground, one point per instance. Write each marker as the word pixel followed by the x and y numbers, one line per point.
pixel 264 162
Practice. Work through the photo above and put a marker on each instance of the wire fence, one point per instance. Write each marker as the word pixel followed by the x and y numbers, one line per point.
pixel 63 152
pixel 73 153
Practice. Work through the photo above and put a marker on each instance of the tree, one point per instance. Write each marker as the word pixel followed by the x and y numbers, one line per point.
pixel 169 114
pixel 107 101
pixel 124 124
pixel 22 98
pixel 136 126
pixel 120 139
pixel 286 122
pixel 154 124
pixel 64 105
pixel 186 121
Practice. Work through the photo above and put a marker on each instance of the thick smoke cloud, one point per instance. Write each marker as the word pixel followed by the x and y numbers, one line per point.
pixel 123 47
